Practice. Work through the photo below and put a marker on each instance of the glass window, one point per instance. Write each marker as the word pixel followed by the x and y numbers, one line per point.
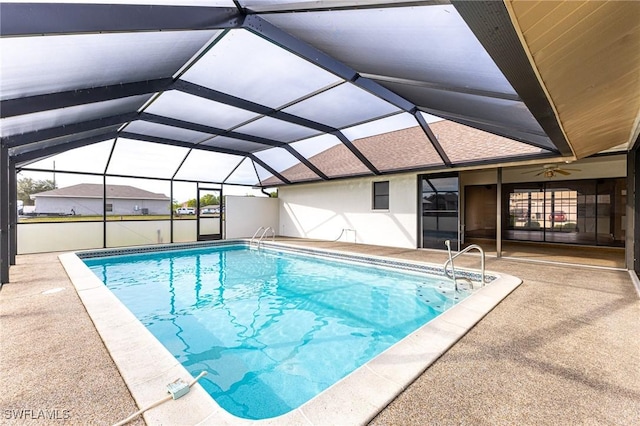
pixel 381 195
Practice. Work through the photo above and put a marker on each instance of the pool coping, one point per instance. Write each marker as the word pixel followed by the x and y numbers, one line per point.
pixel 147 366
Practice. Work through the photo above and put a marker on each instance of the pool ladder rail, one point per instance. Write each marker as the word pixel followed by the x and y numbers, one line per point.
pixel 453 269
pixel 259 240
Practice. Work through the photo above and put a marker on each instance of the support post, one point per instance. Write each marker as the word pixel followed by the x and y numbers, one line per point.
pixel 4 214
pixel 13 212
pixel 499 213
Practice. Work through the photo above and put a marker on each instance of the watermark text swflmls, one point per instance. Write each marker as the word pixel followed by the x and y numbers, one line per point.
pixel 36 414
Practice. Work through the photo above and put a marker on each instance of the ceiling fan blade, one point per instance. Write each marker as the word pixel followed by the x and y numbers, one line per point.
pixel 530 171
pixel 573 170
pixel 562 171
pixel 540 173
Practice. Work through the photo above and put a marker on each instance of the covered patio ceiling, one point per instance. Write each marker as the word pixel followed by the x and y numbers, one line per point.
pixel 249 90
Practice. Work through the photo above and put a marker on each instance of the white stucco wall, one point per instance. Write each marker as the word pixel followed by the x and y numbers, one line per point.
pixel 244 215
pixel 93 206
pixel 48 237
pixel 134 233
pixel 184 231
pixel 323 210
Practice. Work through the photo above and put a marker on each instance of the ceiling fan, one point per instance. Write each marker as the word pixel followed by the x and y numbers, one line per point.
pixel 550 170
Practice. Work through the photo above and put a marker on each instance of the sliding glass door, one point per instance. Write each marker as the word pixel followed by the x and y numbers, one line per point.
pixel 589 212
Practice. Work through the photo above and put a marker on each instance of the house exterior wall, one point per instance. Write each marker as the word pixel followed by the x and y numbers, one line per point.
pixel 94 206
pixel 323 210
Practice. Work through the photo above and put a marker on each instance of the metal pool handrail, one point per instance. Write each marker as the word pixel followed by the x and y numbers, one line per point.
pixel 264 232
pixel 453 270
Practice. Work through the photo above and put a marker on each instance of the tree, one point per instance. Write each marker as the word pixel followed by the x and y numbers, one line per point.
pixel 28 186
pixel 209 200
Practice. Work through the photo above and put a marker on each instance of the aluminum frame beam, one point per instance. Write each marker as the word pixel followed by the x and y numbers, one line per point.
pixel 14 141
pixel 51 101
pixel 223 98
pixel 57 149
pixel 231 134
pixel 24 19
pixel 174 142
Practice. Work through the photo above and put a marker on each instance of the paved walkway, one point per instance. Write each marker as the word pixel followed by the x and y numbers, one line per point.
pixel 563 348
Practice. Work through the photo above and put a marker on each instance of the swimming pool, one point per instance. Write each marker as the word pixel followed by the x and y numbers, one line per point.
pixel 272 328
pixel 146 366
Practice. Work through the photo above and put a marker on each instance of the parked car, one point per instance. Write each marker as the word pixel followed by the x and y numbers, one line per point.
pixel 558 216
pixel 186 210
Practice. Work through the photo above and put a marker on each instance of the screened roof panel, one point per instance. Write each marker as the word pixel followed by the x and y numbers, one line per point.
pixel 342 106
pixel 429 43
pixel 207 166
pixel 235 144
pixel 244 174
pixel 186 107
pixel 91 159
pixel 377 127
pixel 280 5
pixel 249 67
pixel 289 77
pixel 59 117
pixel 277 130
pixel 330 156
pixel 145 159
pixel 163 131
pixel 214 3
pixel 282 162
pixel 509 114
pixel 38 65
pixel 42 146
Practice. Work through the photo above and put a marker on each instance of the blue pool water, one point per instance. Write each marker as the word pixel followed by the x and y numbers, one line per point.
pixel 272 329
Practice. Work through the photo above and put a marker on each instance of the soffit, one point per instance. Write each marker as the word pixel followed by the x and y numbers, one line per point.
pixel 587 55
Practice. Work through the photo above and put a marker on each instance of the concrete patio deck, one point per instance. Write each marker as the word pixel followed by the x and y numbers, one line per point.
pixel 563 348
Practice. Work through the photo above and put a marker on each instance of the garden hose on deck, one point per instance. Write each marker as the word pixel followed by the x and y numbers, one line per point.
pixel 175 389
